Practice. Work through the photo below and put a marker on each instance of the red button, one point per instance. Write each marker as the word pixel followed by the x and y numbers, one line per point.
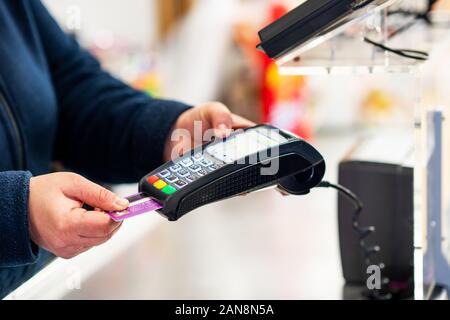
pixel 153 179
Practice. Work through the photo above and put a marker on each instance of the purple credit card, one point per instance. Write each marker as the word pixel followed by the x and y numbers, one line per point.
pixel 139 204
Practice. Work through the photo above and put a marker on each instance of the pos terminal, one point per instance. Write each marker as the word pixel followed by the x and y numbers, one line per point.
pixel 246 161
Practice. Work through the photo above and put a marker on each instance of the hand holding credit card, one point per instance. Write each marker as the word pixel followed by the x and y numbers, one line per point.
pixel 139 204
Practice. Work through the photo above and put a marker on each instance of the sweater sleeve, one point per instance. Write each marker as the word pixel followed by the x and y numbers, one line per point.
pixel 16 248
pixel 107 130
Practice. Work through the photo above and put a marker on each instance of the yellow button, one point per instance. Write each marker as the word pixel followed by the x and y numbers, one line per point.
pixel 159 184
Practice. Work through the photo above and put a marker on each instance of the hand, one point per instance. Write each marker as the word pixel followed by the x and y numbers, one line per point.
pixel 57 221
pixel 213 117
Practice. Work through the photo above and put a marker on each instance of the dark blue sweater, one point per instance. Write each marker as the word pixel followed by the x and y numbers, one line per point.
pixel 57 104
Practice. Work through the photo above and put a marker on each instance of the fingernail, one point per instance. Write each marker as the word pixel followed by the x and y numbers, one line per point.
pixel 122 203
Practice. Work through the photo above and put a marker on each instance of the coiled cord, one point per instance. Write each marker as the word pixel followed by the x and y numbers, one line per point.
pixel 363 234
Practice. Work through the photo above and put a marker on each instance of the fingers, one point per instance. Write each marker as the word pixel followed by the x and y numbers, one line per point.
pixel 93 224
pixel 84 231
pixel 94 195
pixel 72 251
pixel 89 242
pixel 57 221
pixel 220 118
pixel 240 122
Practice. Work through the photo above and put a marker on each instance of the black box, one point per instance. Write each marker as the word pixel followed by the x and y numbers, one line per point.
pixel 387 193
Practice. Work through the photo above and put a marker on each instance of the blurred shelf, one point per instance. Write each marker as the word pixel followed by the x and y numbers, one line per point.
pixel 350 66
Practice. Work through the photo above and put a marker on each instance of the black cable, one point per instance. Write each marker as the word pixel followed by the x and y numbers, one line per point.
pixel 363 234
pixel 406 53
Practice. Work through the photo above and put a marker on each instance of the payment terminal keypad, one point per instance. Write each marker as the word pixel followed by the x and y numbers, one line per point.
pixel 171 178
pixel 195 168
pixel 183 172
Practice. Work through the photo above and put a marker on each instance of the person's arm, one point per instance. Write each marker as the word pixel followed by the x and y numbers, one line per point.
pixel 16 248
pixel 107 130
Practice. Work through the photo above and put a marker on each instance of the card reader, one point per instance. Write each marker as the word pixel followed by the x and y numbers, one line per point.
pixel 308 20
pixel 246 161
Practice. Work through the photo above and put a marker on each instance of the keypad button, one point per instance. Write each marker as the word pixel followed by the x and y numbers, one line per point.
pixel 180 184
pixel 213 167
pixel 195 168
pixel 183 173
pixel 187 162
pixel 175 168
pixel 206 163
pixel 191 178
pixel 202 172
pixel 164 173
pixel 153 179
pixel 171 179
pixel 169 190
pixel 159 184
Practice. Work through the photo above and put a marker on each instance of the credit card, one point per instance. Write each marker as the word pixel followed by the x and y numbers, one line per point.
pixel 139 204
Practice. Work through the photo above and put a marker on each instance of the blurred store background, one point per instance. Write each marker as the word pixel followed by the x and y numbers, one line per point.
pixel 257 247
pixel 201 50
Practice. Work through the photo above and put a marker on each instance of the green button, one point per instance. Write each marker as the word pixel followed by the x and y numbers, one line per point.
pixel 169 190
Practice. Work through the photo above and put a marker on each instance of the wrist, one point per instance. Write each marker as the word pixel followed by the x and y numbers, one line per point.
pixel 31 210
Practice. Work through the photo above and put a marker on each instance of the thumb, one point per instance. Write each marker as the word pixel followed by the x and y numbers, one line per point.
pixel 94 195
pixel 220 119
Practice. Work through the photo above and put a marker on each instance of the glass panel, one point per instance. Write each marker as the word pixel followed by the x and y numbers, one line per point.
pixel 338 28
pixel 344 51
